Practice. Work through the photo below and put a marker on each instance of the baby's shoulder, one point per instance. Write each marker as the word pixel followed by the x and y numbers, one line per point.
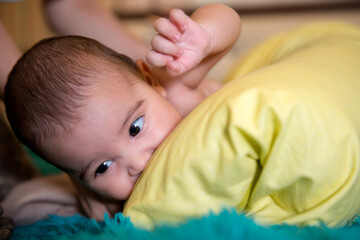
pixel 185 99
pixel 208 86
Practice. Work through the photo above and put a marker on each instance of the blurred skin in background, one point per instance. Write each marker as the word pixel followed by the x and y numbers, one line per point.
pixel 9 54
pixel 91 19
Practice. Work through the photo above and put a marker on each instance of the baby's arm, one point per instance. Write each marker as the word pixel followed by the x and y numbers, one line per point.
pixel 187 47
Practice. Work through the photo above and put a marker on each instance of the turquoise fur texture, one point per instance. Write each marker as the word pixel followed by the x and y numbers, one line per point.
pixel 227 225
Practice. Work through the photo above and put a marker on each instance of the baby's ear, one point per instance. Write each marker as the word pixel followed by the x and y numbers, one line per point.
pixel 149 76
pixel 146 72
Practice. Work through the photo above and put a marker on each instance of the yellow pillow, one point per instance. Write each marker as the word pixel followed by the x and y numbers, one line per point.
pixel 281 143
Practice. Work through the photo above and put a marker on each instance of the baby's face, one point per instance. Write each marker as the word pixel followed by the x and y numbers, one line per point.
pixel 121 128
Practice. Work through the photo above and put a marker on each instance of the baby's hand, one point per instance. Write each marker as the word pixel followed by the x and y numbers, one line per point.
pixel 180 45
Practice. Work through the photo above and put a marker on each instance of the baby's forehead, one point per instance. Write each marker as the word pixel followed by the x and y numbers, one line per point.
pixel 114 87
pixel 122 72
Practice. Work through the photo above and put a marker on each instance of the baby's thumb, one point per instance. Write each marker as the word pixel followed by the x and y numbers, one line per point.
pixel 175 69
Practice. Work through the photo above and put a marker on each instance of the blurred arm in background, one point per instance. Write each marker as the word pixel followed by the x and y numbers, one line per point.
pixel 9 55
pixel 91 19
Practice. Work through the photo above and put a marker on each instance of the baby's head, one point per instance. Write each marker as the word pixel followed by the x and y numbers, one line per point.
pixel 90 111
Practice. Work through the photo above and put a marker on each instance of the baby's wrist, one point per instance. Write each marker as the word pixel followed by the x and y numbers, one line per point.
pixel 208 48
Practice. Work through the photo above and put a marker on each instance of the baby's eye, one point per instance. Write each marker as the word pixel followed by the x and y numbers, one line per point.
pixel 136 126
pixel 103 167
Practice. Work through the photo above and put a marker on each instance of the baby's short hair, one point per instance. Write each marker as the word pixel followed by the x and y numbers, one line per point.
pixel 47 85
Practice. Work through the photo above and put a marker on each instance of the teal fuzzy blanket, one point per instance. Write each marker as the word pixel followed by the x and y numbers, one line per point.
pixel 227 225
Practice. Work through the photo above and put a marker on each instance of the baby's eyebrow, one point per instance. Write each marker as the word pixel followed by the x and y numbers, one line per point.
pixel 84 170
pixel 131 112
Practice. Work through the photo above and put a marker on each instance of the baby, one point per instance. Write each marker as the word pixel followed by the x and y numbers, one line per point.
pixel 99 116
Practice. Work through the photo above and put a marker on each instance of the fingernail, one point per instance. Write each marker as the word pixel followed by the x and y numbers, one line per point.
pixel 169 59
pixel 177 37
pixel 180 52
pixel 184 27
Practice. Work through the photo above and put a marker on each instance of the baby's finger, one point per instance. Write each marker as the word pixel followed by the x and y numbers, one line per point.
pixel 179 18
pixel 175 69
pixel 157 59
pixel 167 29
pixel 165 46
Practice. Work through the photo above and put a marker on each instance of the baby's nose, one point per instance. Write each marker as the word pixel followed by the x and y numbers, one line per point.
pixel 138 163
